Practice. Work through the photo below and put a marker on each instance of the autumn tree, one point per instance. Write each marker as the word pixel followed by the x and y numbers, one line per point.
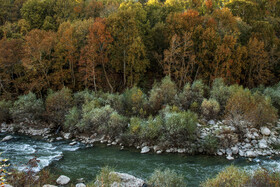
pixel 179 60
pixel 127 52
pixel 38 48
pixel 257 69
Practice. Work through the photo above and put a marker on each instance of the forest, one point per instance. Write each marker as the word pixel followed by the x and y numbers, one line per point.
pixel 111 45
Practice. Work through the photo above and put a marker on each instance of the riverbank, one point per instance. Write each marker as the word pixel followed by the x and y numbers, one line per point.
pixel 263 142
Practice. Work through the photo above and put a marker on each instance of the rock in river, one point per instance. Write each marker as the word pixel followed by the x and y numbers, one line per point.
pixel 128 180
pixel 145 149
pixel 7 138
pixel 63 180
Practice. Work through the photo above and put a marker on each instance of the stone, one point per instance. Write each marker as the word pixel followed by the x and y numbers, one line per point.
pixel 59 138
pixel 128 180
pixel 49 185
pixel 234 150
pixel 156 148
pixel 6 185
pixel 241 153
pixel 229 151
pixel 63 180
pixel 7 138
pixel 67 136
pixel 114 143
pixel 145 149
pixel 73 143
pixel 263 144
pixel 251 154
pixel 211 122
pixel 159 151
pixel 265 131
pixel 81 185
pixel 229 157
pixel 181 151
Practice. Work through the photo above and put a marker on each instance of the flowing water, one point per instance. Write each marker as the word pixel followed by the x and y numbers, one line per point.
pixel 81 162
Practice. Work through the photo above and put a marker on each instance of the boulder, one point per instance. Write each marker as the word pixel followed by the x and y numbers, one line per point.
pixel 263 144
pixel 234 150
pixel 251 154
pixel 229 157
pixel 72 143
pixel 128 180
pixel 59 138
pixel 67 136
pixel 63 180
pixel 265 131
pixel 7 138
pixel 81 185
pixel 49 185
pixel 145 149
pixel 159 151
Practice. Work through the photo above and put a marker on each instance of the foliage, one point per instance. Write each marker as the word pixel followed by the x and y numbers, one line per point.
pixel 254 109
pixel 230 176
pixel 106 178
pixel 166 178
pixel 115 127
pixel 162 94
pixel 264 177
pixel 27 108
pixel 274 94
pixel 134 101
pixel 72 119
pixel 210 109
pixel 5 114
pixel 211 143
pixel 180 126
pixel 3 171
pixel 58 105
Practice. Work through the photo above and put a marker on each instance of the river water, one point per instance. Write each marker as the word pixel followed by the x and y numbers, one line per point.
pixel 81 162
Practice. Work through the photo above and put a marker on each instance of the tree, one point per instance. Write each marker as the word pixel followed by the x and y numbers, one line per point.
pixel 128 53
pixel 179 60
pixel 38 49
pixel 257 67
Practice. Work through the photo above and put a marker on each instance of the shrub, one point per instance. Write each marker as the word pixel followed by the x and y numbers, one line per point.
pixel 82 97
pixel 193 95
pixel 180 126
pixel 5 114
pixel 134 101
pixel 166 178
pixel 27 108
pixel 210 109
pixel 72 119
pixel 274 94
pixel 210 144
pixel 135 125
pixel 230 176
pixel 227 137
pixel 106 178
pixel 246 109
pixel 152 129
pixel 220 92
pixel 115 101
pixel 264 177
pixel 93 117
pixel 58 105
pixel 116 125
pixel 162 94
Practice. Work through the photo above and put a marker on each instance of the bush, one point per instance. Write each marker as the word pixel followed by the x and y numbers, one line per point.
pixel 180 126
pixel 210 109
pixel 210 144
pixel 193 95
pixel 220 92
pixel 264 177
pixel 94 117
pixel 106 178
pixel 135 125
pixel 115 101
pixel 227 137
pixel 134 101
pixel 27 108
pixel 246 109
pixel 152 129
pixel 162 94
pixel 274 94
pixel 82 97
pixel 58 105
pixel 72 119
pixel 116 125
pixel 5 114
pixel 166 178
pixel 229 177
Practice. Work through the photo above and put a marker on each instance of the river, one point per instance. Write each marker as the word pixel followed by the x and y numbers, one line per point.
pixel 78 161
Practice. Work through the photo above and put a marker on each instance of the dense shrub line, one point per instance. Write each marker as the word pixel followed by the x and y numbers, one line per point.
pixel 165 115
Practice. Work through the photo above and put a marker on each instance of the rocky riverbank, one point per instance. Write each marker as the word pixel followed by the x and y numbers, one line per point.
pixel 263 142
